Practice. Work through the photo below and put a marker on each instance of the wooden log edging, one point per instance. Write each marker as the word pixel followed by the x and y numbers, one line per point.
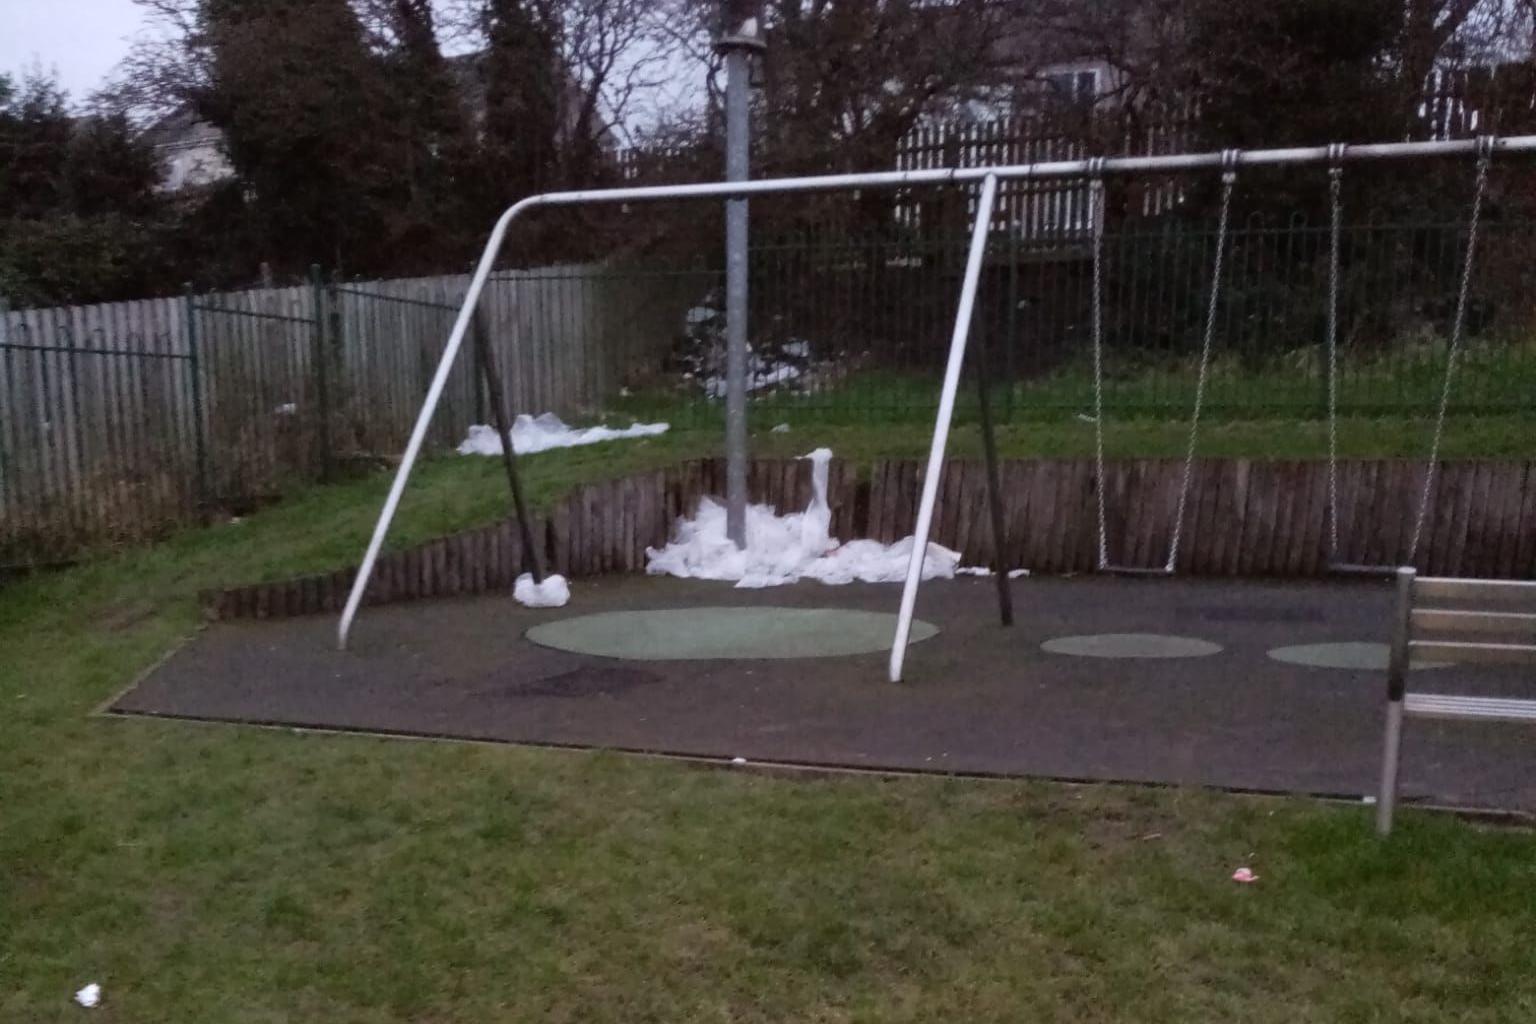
pixel 1244 517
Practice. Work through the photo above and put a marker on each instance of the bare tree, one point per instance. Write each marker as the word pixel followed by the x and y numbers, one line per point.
pixel 617 53
pixel 166 66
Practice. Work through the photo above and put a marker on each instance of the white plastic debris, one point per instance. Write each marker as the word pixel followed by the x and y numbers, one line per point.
pixel 1245 876
pixel 796 347
pixel 545 431
pixel 787 548
pixel 553 592
pixel 982 570
pixel 89 996
pixel 764 374
pixel 782 428
pixel 738 760
pixel 286 409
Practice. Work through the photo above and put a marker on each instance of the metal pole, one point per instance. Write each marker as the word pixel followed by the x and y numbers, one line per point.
pixel 1000 562
pixel 1397 685
pixel 952 369
pixel 322 360
pixel 1060 169
pixel 5 364
pixel 194 369
pixel 424 418
pixel 492 377
pixel 737 42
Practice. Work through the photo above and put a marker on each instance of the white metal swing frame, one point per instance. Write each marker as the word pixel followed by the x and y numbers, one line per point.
pixel 987 177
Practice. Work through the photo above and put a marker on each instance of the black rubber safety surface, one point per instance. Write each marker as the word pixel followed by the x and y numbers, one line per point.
pixel 978 698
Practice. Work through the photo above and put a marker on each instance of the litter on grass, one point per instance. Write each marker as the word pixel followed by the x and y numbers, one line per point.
pixel 545 431
pixel 553 592
pixel 1245 876
pixel 761 373
pixel 89 996
pixel 787 548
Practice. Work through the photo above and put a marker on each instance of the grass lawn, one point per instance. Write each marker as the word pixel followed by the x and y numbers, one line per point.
pixel 216 874
pixel 1403 382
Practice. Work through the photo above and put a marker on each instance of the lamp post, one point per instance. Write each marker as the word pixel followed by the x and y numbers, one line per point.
pixel 738 38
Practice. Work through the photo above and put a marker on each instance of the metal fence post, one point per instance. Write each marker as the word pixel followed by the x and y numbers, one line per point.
pixel 199 427
pixel 322 357
pixel 1010 356
pixel 336 346
pixel 5 364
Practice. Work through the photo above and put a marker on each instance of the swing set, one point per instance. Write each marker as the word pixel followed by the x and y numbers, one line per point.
pixel 1228 163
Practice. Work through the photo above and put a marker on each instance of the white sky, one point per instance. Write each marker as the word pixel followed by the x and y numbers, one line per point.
pixel 82 39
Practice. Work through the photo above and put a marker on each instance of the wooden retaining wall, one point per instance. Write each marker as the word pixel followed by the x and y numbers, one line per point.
pixel 1243 518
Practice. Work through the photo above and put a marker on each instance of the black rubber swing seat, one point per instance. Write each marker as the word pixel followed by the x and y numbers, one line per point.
pixel 1348 569
pixel 1128 570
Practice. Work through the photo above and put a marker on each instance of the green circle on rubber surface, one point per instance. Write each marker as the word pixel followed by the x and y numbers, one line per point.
pixel 1355 655
pixel 1131 645
pixel 688 634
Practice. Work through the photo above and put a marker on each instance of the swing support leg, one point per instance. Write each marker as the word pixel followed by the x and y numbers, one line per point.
pixel 1000 559
pixel 487 361
pixel 946 413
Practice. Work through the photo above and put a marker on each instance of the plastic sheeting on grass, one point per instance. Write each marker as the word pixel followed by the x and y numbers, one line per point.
pixel 785 548
pixel 545 431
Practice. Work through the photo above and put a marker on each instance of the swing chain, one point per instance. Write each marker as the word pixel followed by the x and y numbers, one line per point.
pixel 1229 160
pixel 1096 218
pixel 1336 216
pixel 1485 147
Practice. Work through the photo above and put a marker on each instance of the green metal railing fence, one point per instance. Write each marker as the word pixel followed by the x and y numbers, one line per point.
pixel 853 331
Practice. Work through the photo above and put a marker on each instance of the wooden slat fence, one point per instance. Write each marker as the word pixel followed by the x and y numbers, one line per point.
pixel 120 420
pixel 97 424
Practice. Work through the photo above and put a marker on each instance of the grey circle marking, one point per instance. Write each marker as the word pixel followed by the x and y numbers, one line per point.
pixel 1353 655
pixel 691 634
pixel 1131 645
